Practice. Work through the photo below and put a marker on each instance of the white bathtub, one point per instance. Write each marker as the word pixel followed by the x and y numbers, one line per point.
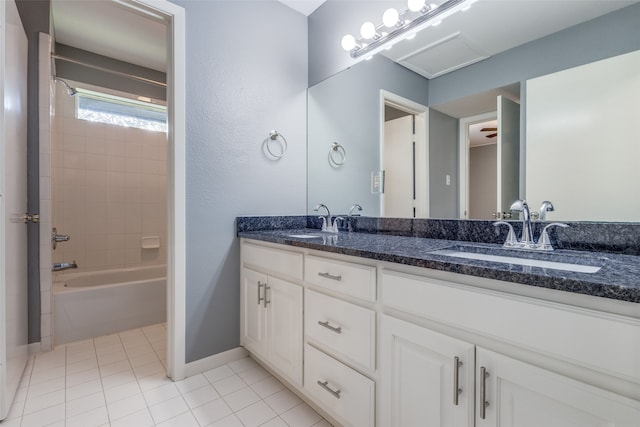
pixel 96 303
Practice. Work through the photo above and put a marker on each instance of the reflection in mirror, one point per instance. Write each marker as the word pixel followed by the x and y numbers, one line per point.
pixel 348 108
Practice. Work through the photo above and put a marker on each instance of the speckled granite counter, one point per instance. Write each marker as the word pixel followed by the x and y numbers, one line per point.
pixel 618 278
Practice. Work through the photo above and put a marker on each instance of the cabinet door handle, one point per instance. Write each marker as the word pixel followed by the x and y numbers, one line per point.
pixel 260 285
pixel 324 385
pixel 337 330
pixel 483 392
pixel 266 301
pixel 330 276
pixel 456 386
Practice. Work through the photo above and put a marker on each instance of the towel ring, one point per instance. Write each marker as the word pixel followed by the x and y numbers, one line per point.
pixel 274 135
pixel 337 155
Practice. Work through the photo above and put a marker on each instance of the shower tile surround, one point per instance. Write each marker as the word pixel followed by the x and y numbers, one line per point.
pixel 108 190
pixel 393 240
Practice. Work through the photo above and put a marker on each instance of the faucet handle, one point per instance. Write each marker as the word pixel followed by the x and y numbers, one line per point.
pixel 544 244
pixel 324 222
pixel 511 240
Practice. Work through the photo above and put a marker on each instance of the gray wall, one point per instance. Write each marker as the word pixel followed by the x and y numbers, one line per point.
pixel 246 75
pixel 346 109
pixel 443 160
pixel 483 178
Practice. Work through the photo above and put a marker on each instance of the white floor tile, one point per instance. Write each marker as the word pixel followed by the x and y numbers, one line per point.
pixel 229 385
pixel 301 416
pixel 243 364
pixel 201 396
pixel 168 409
pixel 211 412
pixel 184 420
pixel 256 414
pixel 218 374
pixel 282 401
pixel 241 399
pixel 323 423
pixel 160 394
pixel 119 380
pixel 138 419
pixel 124 407
pixel 267 387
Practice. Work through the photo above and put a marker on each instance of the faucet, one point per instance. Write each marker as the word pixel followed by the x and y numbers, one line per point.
pixel 327 225
pixel 350 214
pixel 527 234
pixel 59 266
pixel 545 207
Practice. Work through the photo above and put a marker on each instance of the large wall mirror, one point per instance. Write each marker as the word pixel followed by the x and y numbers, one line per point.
pixel 456 146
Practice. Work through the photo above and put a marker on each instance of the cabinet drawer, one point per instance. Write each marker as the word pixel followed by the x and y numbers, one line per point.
pixel 341 391
pixel 279 261
pixel 351 279
pixel 345 328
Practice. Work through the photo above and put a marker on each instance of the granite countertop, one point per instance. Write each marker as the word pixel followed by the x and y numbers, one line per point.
pixel 618 277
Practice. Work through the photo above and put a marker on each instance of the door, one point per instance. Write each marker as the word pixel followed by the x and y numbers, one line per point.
pixel 253 321
pixel 13 204
pixel 419 375
pixel 399 168
pixel 508 153
pixel 284 328
pixel 523 395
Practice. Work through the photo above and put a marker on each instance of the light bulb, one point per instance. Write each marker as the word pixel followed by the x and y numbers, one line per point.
pixel 415 5
pixel 390 17
pixel 368 30
pixel 348 42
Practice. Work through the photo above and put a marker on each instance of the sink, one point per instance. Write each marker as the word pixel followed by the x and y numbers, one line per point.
pixel 304 236
pixel 532 260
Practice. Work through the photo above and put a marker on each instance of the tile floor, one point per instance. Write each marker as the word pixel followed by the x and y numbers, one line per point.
pixel 119 380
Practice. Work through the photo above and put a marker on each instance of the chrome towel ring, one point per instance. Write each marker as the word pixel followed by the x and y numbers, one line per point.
pixel 337 155
pixel 274 135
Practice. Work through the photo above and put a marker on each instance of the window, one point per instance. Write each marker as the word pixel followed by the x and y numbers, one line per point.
pixel 119 111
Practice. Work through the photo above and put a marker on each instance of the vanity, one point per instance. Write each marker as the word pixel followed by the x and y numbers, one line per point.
pixel 389 330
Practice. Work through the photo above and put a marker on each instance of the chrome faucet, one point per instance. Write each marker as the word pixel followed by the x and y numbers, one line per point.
pixel 527 234
pixel 350 214
pixel 59 266
pixel 327 224
pixel 545 207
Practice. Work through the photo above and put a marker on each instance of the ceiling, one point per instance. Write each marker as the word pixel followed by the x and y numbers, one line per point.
pixel 489 27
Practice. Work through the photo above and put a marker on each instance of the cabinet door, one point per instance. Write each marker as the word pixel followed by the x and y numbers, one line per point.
pixel 522 395
pixel 253 314
pixel 284 328
pixel 418 376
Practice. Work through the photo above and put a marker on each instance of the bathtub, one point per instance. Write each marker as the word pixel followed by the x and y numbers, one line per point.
pixel 97 303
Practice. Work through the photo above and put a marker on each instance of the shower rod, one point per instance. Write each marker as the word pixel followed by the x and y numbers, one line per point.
pixel 108 70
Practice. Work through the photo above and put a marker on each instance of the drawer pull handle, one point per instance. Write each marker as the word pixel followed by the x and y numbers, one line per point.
pixel 260 285
pixel 456 387
pixel 483 392
pixel 266 301
pixel 337 330
pixel 324 385
pixel 330 276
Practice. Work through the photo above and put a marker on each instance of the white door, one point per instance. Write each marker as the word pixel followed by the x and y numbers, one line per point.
pixel 522 395
pixel 508 153
pixel 253 321
pixel 284 328
pixel 419 375
pixel 13 204
pixel 399 168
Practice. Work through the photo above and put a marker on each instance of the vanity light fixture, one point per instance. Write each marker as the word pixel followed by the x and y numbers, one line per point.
pixel 402 25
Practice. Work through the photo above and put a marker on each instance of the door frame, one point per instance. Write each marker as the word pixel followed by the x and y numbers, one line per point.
pixel 463 158
pixel 174 17
pixel 422 147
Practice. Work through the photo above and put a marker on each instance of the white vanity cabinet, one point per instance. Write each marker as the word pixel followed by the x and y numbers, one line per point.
pixel 426 378
pixel 271 312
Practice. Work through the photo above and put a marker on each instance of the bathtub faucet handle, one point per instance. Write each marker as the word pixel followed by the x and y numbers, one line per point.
pixel 57 238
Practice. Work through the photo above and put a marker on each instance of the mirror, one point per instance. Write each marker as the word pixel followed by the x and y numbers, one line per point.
pixel 349 108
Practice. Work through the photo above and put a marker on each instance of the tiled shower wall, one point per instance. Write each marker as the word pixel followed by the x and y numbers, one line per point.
pixel 109 190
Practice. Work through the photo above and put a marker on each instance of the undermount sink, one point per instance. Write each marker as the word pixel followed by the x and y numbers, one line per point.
pixel 304 236
pixel 481 254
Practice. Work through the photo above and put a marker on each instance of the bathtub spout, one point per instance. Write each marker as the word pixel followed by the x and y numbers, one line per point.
pixel 59 266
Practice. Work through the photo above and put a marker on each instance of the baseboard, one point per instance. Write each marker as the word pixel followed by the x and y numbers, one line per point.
pixel 215 361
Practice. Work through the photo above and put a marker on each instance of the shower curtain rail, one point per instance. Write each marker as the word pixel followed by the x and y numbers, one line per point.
pixel 108 70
